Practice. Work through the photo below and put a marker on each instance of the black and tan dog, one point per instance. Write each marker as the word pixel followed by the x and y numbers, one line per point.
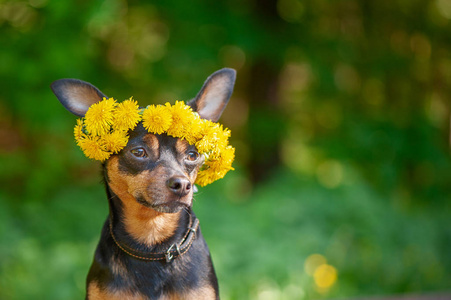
pixel 151 246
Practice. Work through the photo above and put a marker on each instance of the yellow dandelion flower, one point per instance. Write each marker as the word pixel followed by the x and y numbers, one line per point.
pixel 214 138
pixel 181 116
pixel 157 119
pixel 210 176
pixel 205 145
pixel 78 130
pixel 204 178
pixel 126 115
pixel 216 168
pixel 195 130
pixel 99 117
pixel 92 148
pixel 114 141
pixel 104 129
pixel 227 158
pixel 221 136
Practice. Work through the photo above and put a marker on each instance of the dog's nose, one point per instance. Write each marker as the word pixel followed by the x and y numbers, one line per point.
pixel 179 185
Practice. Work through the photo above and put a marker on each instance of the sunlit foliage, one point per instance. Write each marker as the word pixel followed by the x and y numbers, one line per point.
pixel 340 119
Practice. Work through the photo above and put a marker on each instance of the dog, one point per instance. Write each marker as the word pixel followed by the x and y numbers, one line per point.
pixel 151 245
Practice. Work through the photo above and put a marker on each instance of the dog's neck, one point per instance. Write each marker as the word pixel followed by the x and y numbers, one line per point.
pixel 144 225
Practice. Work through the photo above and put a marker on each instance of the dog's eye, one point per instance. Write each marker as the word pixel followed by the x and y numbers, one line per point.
pixel 192 156
pixel 139 152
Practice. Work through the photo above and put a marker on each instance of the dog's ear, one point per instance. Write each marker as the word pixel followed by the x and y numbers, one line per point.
pixel 76 95
pixel 214 95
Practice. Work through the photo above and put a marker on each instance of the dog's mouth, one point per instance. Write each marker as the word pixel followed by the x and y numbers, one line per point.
pixel 167 206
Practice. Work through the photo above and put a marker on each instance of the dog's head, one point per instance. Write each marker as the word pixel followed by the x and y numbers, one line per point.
pixel 155 170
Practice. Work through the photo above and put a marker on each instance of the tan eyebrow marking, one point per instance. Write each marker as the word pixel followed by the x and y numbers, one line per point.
pixel 154 145
pixel 181 146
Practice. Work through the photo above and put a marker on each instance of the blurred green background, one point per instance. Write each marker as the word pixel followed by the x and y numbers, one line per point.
pixel 340 118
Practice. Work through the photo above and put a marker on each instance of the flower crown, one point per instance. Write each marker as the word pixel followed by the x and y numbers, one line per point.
pixel 104 131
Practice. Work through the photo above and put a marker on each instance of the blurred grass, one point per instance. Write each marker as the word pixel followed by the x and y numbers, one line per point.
pixel 263 244
pixel 342 106
pixel 260 240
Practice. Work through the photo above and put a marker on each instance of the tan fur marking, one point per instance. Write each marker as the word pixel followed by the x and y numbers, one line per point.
pixel 95 293
pixel 204 293
pixel 149 226
pixel 152 142
pixel 118 267
pixel 142 223
pixel 181 146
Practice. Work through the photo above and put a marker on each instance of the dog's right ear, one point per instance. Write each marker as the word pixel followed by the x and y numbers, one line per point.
pixel 212 99
pixel 76 95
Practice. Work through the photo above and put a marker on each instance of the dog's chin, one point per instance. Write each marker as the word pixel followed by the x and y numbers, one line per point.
pixel 169 208
pixel 172 206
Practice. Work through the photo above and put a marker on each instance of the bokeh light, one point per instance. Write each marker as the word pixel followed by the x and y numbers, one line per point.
pixel 340 118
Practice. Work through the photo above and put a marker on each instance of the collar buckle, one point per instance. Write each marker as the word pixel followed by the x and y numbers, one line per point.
pixel 169 255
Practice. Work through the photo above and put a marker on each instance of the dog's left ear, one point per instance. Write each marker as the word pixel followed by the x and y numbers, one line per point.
pixel 76 95
pixel 212 99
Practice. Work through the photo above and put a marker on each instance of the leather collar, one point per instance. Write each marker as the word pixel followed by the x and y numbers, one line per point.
pixel 174 251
